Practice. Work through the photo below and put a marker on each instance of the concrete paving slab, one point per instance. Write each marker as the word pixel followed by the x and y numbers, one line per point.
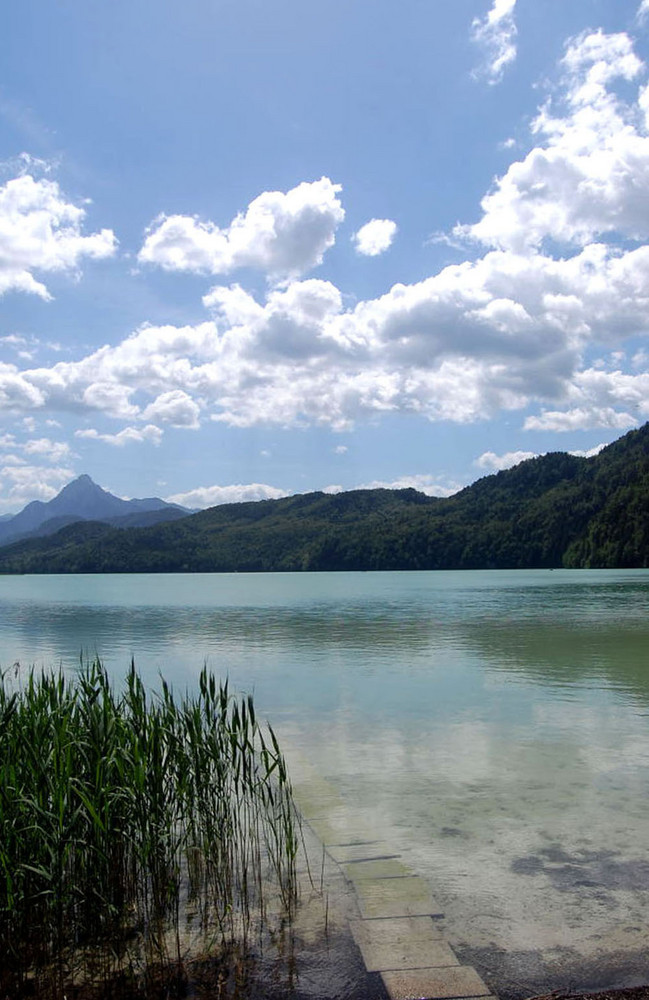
pixel 316 801
pixel 407 955
pixel 365 850
pixel 338 827
pixel 395 897
pixel 395 929
pixel 313 783
pixel 434 984
pixel 380 868
pixel 325 830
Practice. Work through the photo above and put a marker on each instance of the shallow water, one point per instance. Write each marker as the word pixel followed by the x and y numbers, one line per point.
pixel 492 726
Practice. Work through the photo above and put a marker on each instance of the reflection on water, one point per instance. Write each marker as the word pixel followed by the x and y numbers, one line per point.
pixel 493 726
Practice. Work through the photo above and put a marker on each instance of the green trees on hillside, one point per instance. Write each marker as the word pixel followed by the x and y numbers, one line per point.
pixel 552 511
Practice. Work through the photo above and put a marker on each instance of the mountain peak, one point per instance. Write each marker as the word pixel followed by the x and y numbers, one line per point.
pixel 83 500
pixel 82 484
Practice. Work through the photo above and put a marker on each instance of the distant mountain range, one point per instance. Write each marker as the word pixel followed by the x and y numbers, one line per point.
pixel 83 500
pixel 548 512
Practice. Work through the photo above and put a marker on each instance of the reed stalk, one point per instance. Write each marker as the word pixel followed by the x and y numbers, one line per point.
pixel 130 822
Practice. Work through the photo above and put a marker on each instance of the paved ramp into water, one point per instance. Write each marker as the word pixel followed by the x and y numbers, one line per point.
pixel 398 932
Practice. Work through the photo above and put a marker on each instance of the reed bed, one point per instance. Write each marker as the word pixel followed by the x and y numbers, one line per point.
pixel 134 829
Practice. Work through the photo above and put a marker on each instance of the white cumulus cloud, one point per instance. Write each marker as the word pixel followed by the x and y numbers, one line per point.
pixel 590 174
pixel 432 486
pixel 281 234
pixel 53 451
pixel 589 452
pixel 496 35
pixel 491 462
pixel 213 496
pixel 174 407
pixel 19 484
pixel 129 435
pixel 614 400
pixel 41 232
pixel 375 237
pixel 580 419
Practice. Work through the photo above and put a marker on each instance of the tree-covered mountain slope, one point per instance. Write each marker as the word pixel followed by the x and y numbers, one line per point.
pixel 552 511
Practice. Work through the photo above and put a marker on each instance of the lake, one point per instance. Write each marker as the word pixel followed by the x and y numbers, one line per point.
pixel 492 726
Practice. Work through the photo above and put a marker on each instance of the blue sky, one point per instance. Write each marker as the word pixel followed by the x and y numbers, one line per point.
pixel 250 248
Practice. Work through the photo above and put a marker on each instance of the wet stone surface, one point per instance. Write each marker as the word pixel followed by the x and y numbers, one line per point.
pixel 434 984
pixel 585 869
pixel 401 943
pixel 394 897
pixel 355 871
pixel 517 975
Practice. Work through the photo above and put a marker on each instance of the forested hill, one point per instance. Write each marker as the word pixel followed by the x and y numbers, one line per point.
pixel 557 510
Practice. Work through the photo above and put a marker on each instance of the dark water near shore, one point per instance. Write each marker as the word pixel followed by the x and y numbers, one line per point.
pixel 492 726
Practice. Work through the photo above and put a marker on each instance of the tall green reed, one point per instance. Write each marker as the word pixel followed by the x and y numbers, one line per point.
pixel 128 820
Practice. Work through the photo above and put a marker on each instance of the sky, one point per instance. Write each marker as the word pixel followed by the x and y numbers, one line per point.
pixel 251 248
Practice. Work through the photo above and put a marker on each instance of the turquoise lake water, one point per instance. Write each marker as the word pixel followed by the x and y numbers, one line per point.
pixel 492 726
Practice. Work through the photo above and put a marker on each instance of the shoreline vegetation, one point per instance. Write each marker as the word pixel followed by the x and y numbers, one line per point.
pixel 140 835
pixel 557 510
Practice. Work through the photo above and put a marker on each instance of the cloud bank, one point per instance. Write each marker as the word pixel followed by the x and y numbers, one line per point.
pixel 213 496
pixel 514 328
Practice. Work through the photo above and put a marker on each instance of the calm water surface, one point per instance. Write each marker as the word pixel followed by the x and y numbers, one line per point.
pixel 492 726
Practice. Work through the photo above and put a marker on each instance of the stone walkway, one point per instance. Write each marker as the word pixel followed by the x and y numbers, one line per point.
pixel 398 931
